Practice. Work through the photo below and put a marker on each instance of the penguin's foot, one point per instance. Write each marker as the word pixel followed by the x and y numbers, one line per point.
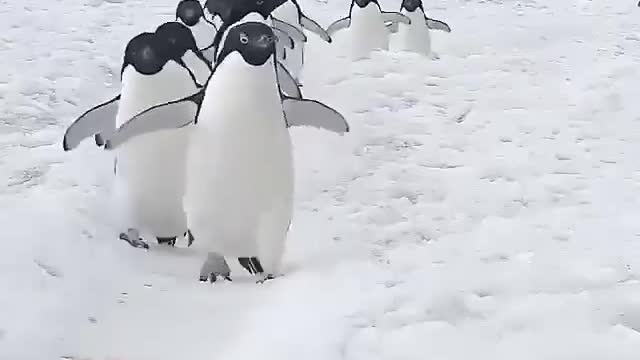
pixel 171 241
pixel 252 265
pixel 189 237
pixel 264 278
pixel 133 238
pixel 213 277
pixel 215 267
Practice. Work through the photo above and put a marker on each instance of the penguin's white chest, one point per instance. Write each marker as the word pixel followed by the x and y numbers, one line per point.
pixel 368 31
pixel 414 37
pixel 241 160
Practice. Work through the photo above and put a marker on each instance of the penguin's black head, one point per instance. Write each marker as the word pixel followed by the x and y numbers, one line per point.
pixel 255 41
pixel 411 5
pixel 364 3
pixel 175 39
pixel 144 53
pixel 189 12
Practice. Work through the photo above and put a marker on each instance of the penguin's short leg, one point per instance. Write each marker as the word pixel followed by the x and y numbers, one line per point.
pixel 190 238
pixel 171 240
pixel 132 236
pixel 215 266
pixel 252 264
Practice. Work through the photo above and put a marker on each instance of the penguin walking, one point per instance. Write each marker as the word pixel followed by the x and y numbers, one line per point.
pixel 368 29
pixel 157 68
pixel 241 201
pixel 291 13
pixel 416 37
pixel 191 14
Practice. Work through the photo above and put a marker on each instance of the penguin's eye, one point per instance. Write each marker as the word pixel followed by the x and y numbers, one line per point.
pixel 259 2
pixel 244 38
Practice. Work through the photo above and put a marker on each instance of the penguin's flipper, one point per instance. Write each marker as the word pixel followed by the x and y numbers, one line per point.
pixel 395 17
pixel 169 115
pixel 305 112
pixel 284 38
pixel 392 26
pixel 288 84
pixel 99 119
pixel 295 33
pixel 313 26
pixel 437 25
pixel 339 25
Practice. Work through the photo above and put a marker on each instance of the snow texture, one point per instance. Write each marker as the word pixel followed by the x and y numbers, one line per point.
pixel 484 205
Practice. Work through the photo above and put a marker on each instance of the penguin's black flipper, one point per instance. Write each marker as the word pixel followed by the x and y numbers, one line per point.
pixel 437 25
pixel 288 85
pixel 313 26
pixel 169 115
pixel 99 119
pixel 291 30
pixel 395 17
pixel 339 25
pixel 190 238
pixel 305 112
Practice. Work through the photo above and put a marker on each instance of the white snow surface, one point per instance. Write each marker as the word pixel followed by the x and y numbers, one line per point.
pixel 484 205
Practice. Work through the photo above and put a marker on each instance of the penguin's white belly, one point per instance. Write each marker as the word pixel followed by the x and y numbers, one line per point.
pixel 241 189
pixel 368 32
pixel 414 37
pixel 204 33
pixel 152 166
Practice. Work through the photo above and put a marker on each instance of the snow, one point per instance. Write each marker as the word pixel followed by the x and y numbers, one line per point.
pixel 483 206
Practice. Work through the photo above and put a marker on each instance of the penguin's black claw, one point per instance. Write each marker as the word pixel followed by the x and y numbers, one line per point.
pixel 252 265
pixel 171 241
pixel 203 278
pixel 190 238
pixel 135 242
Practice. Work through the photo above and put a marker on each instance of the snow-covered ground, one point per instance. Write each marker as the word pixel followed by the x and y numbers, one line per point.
pixel 484 206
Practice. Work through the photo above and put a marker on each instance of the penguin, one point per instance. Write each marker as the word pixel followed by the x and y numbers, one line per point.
pixel 241 202
pixel 291 13
pixel 415 37
pixel 367 23
pixel 156 69
pixel 191 14
pixel 238 11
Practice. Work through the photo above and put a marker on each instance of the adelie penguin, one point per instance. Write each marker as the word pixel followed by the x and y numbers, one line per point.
pixel 415 37
pixel 291 13
pixel 239 11
pixel 157 68
pixel 191 14
pixel 367 24
pixel 241 194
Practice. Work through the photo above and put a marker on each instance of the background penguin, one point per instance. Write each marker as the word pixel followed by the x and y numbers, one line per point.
pixel 242 150
pixel 191 14
pixel 291 13
pixel 368 29
pixel 415 37
pixel 151 168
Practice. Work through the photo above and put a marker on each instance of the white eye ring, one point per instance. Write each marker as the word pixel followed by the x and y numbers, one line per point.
pixel 244 38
